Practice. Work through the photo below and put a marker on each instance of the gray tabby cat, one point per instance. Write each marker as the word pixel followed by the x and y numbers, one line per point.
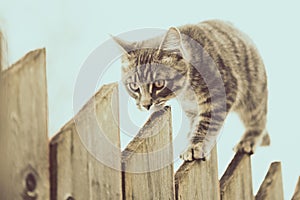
pixel 172 65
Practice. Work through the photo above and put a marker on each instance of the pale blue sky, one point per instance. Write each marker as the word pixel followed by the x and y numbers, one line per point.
pixel 71 30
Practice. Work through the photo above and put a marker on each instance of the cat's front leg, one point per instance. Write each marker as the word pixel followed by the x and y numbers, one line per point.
pixel 193 152
pixel 204 133
pixel 196 149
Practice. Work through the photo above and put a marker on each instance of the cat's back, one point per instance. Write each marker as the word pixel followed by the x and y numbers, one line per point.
pixel 222 39
pixel 214 32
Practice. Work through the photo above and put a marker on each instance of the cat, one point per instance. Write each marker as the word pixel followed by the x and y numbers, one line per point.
pixel 213 69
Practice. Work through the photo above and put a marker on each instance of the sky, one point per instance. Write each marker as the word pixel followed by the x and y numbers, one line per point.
pixel 71 30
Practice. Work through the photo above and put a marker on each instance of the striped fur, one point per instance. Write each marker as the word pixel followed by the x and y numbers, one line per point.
pixel 188 74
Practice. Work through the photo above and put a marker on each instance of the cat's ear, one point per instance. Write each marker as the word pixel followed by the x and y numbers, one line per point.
pixel 125 46
pixel 172 40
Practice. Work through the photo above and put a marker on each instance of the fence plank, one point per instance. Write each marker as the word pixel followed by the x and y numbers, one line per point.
pixel 236 183
pixel 147 160
pixel 296 195
pixel 85 156
pixel 23 129
pixel 198 179
pixel 271 188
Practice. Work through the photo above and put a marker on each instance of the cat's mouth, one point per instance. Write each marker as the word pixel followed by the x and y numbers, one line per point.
pixel 161 103
pixel 154 107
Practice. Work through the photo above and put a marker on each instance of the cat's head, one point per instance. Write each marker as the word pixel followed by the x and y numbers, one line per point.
pixel 155 70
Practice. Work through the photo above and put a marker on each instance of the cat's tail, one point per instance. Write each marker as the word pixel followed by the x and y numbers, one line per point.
pixel 266 141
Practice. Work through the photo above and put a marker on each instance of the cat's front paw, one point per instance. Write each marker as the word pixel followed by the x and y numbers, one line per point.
pixel 193 152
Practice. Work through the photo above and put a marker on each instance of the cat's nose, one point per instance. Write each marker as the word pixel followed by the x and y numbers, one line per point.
pixel 147 106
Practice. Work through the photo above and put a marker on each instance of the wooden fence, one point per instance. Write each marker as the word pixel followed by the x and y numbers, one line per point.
pixel 66 168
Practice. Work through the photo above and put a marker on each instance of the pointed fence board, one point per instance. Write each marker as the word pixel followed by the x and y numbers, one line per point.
pixel 198 179
pixel 147 161
pixel 24 159
pixel 85 156
pixel 296 195
pixel 84 161
pixel 271 188
pixel 236 183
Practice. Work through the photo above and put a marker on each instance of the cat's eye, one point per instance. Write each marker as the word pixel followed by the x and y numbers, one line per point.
pixel 133 86
pixel 159 84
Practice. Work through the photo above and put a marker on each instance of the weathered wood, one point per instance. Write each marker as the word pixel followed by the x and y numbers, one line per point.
pixel 148 160
pixel 23 129
pixel 236 183
pixel 85 156
pixel 271 188
pixel 296 195
pixel 198 179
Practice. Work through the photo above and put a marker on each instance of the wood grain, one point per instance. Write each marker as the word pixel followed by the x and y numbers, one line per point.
pixel 236 183
pixel 271 188
pixel 198 179
pixel 23 129
pixel 85 155
pixel 147 160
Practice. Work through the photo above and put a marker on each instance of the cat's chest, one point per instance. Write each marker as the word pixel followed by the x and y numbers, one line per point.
pixel 188 101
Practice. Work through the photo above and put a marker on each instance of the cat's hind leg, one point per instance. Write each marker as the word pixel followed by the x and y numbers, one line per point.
pixel 255 124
